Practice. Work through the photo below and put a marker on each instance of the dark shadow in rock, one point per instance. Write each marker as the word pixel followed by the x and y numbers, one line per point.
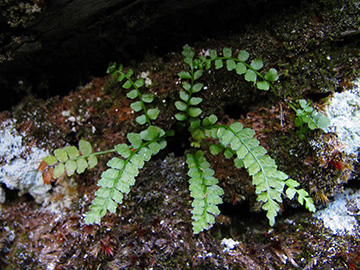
pixel 235 111
pixel 317 97
pixel 13 195
pixel 72 41
pixel 178 143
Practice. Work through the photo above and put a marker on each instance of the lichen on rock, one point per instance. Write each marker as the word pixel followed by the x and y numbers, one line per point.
pixel 344 113
pixel 341 216
pixel 18 167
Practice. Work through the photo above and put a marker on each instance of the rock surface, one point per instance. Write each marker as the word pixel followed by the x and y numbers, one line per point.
pixel 152 228
pixel 64 42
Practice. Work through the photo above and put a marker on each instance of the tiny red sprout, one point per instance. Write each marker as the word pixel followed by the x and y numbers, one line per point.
pixel 106 249
pixel 354 261
pixel 236 199
pixel 141 232
pixel 339 165
pixel 281 209
pixel 87 231
pixel 61 237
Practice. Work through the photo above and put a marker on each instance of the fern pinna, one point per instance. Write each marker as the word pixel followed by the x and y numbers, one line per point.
pixel 233 140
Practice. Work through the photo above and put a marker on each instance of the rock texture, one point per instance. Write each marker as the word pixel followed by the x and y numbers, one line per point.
pixel 63 42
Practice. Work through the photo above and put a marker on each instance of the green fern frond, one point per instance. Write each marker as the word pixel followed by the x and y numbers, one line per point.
pixel 305 114
pixel 71 159
pixel 120 176
pixel 303 196
pixel 251 71
pixel 269 181
pixel 117 180
pixel 135 94
pixel 187 104
pixel 205 191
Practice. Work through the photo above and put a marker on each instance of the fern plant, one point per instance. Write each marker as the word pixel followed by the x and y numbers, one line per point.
pixel 306 114
pixel 233 141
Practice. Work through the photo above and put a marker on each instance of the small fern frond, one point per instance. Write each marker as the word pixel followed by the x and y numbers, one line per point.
pixel 305 114
pixel 198 127
pixel 187 104
pixel 205 191
pixel 120 176
pixel 135 94
pixel 70 160
pixel 303 196
pixel 239 64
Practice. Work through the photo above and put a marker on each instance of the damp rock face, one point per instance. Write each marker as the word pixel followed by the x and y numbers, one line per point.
pixel 18 167
pixel 342 214
pixel 49 47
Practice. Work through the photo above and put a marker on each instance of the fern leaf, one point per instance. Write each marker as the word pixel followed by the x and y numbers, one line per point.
pixel 303 196
pixel 71 159
pixel 269 182
pixel 135 93
pixel 187 104
pixel 120 176
pixel 204 190
pixel 250 71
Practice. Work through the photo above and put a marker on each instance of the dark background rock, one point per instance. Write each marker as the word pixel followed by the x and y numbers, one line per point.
pixel 70 41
